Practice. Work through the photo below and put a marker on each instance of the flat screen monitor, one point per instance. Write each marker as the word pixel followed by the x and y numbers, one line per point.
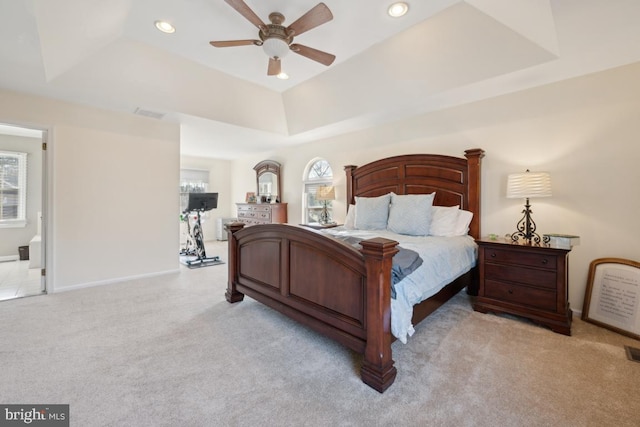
pixel 202 201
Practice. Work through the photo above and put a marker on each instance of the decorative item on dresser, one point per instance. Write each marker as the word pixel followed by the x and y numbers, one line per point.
pixel 262 213
pixel 269 190
pixel 268 182
pixel 525 279
pixel 346 293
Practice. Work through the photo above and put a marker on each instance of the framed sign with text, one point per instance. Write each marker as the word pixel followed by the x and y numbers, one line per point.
pixel 612 297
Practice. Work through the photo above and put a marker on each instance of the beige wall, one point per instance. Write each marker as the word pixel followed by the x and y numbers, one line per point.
pixel 583 131
pixel 113 196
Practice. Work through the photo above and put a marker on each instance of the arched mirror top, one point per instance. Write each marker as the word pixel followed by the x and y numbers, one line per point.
pixel 268 180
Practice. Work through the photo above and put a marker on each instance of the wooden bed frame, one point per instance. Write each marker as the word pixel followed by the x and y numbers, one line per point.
pixel 337 290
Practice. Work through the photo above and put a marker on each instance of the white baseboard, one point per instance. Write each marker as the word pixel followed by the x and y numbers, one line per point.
pixel 9 258
pixel 111 281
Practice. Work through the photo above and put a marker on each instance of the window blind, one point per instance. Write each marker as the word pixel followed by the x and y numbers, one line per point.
pixel 13 187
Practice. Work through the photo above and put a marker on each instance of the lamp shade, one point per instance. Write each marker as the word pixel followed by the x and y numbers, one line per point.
pixel 529 184
pixel 326 193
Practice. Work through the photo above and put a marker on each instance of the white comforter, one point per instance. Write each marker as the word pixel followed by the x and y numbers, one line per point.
pixel 444 259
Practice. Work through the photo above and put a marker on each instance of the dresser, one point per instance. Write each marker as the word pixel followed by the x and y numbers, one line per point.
pixel 262 213
pixel 526 280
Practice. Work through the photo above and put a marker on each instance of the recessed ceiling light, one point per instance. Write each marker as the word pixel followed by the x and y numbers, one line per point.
pixel 283 76
pixel 398 9
pixel 165 27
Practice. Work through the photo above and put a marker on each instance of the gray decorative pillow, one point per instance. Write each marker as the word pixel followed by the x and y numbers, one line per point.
pixel 372 212
pixel 410 214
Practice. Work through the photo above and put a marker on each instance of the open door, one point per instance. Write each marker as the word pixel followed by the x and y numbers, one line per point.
pixel 22 211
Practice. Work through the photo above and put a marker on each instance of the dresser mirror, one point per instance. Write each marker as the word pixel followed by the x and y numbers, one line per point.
pixel 268 181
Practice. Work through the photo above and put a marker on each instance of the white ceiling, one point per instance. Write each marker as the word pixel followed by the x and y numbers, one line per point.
pixel 442 53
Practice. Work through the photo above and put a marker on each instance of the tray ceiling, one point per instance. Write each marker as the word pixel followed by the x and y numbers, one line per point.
pixel 442 53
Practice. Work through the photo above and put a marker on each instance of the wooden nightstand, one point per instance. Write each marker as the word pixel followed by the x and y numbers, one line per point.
pixel 526 280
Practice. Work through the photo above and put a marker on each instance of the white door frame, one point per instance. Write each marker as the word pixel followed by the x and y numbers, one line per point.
pixel 46 283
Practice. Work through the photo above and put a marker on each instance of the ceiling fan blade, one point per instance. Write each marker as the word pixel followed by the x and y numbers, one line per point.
pixel 316 16
pixel 274 67
pixel 244 10
pixel 231 43
pixel 315 54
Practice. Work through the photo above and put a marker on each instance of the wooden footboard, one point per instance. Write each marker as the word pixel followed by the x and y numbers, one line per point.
pixel 323 283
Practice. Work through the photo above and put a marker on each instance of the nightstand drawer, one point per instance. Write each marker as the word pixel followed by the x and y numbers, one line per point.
pixel 523 295
pixel 529 276
pixel 520 257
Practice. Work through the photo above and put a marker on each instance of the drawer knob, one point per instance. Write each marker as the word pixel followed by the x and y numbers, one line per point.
pixel 493 255
pixel 545 261
pixel 510 291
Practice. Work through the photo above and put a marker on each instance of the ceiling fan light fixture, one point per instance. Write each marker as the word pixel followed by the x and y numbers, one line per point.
pixel 275 47
pixel 283 76
pixel 398 9
pixel 277 40
pixel 165 27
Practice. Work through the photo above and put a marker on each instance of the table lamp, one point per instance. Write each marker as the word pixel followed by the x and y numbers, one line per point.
pixel 527 185
pixel 324 194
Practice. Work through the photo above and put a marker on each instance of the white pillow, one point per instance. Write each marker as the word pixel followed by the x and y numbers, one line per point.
pixel 410 214
pixel 444 221
pixel 350 220
pixel 464 220
pixel 372 212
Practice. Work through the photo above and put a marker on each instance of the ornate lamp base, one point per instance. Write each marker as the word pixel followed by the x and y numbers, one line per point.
pixel 526 228
pixel 325 217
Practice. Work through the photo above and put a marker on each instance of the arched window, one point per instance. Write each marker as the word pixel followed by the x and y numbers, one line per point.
pixel 317 173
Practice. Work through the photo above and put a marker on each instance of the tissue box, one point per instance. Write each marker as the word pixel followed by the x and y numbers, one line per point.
pixel 561 241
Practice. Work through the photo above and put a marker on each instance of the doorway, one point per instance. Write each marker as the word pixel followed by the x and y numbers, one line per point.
pixel 22 216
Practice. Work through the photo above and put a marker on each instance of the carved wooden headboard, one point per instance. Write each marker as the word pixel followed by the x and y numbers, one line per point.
pixel 455 180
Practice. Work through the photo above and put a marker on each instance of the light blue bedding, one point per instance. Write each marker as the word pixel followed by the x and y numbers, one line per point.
pixel 444 259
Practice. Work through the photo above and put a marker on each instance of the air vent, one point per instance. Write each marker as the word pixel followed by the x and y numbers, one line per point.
pixel 633 353
pixel 149 113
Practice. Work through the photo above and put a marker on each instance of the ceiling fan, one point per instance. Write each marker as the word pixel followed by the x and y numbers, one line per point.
pixel 277 40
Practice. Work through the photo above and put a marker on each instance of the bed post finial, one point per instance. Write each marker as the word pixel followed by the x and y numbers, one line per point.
pixel 474 160
pixel 350 184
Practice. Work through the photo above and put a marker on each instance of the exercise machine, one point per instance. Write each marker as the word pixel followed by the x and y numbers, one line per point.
pixel 198 204
pixel 189 248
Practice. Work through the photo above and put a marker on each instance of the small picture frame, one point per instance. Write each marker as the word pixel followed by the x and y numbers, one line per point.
pixel 612 297
pixel 251 197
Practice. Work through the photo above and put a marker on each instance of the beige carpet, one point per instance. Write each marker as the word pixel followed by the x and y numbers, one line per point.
pixel 170 351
